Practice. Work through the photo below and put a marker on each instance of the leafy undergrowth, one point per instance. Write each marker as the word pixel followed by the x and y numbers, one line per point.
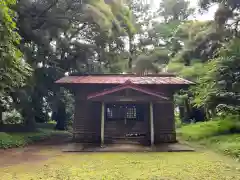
pixel 221 135
pixel 208 129
pixel 19 139
pixel 77 166
pixel 228 144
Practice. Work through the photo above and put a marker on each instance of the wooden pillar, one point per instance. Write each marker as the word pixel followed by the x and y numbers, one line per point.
pixel 102 123
pixel 151 124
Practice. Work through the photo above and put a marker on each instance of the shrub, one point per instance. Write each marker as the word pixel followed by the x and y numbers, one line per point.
pixel 50 125
pixel 9 140
pixel 228 144
pixel 207 129
pixel 222 135
pixel 12 117
pixel 5 140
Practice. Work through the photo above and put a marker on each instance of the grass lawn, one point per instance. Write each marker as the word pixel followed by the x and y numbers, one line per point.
pixel 153 166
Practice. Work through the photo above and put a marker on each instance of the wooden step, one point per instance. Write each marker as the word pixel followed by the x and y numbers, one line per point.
pixel 127 140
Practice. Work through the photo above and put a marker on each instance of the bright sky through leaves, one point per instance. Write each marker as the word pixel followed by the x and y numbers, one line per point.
pixel 194 3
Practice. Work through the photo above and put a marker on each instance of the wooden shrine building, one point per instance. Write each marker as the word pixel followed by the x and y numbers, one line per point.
pixel 124 107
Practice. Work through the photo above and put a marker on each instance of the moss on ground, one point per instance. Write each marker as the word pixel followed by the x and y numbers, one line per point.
pixel 77 166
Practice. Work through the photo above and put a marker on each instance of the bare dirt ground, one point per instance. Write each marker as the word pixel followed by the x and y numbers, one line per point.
pixel 32 153
pixel 55 146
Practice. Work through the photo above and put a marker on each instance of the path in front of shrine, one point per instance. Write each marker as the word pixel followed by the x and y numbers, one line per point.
pixel 46 160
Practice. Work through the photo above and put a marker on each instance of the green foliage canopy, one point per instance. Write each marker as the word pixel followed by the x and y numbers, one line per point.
pixel 14 69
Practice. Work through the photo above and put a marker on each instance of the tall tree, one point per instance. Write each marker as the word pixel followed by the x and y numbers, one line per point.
pixel 175 10
pixel 141 16
pixel 14 69
pixel 217 87
pixel 64 37
pixel 209 57
pixel 160 39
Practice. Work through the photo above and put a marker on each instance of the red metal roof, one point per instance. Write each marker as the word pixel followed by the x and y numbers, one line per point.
pixel 121 79
pixel 127 85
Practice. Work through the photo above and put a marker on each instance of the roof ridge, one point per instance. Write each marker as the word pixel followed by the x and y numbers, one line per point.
pixel 126 75
pixel 128 82
pixel 123 80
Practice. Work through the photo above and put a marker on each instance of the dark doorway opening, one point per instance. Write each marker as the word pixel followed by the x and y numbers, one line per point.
pixel 128 118
pixel 132 112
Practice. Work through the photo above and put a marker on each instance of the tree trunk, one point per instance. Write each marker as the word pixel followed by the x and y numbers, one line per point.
pixel 187 116
pixel 208 115
pixel 1 115
pixel 181 113
pixel 29 119
pixel 30 123
pixel 61 117
pixel 130 54
pixel 28 115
